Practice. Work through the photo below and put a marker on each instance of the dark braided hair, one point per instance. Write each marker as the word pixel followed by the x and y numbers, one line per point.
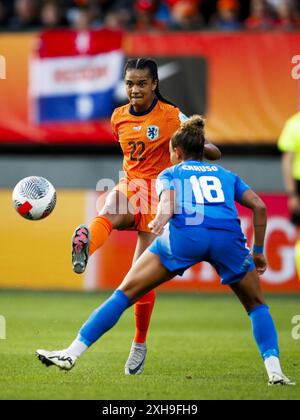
pixel 151 66
pixel 190 137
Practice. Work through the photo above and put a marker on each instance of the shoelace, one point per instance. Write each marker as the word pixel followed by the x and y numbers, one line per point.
pixel 136 355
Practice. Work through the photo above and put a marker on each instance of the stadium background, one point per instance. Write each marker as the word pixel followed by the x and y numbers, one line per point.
pixel 244 82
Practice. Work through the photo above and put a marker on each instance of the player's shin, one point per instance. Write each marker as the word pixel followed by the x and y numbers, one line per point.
pixel 265 335
pixel 100 321
pixel 142 313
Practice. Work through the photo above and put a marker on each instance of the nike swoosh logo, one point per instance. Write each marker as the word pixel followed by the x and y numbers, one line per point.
pixel 167 70
pixel 135 370
pixel 61 358
pixel 164 72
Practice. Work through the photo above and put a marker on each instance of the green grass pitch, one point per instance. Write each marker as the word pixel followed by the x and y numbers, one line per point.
pixel 200 347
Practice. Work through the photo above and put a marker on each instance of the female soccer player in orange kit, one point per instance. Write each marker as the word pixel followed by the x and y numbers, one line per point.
pixel 143 127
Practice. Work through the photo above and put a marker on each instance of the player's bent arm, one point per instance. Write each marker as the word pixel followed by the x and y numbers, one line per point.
pixel 211 152
pixel 251 200
pixel 165 210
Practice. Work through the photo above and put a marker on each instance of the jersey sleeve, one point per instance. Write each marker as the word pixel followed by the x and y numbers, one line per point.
pixel 113 126
pixel 165 181
pixel 175 119
pixel 239 188
pixel 288 138
pixel 182 117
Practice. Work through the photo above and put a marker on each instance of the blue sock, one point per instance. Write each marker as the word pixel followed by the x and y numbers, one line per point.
pixel 104 318
pixel 264 331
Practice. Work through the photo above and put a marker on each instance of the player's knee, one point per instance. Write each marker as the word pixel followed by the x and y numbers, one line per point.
pixel 129 290
pixel 132 287
pixel 116 219
pixel 148 298
pixel 254 303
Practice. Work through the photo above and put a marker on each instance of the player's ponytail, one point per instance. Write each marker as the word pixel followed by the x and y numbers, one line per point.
pixel 190 137
pixel 151 66
pixel 162 98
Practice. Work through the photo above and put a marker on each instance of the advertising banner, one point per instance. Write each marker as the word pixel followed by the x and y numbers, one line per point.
pixel 60 87
pixel 248 84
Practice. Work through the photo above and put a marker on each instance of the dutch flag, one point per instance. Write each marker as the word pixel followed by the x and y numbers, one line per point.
pixel 73 75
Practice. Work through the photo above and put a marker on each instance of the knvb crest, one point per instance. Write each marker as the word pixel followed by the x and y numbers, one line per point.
pixel 152 132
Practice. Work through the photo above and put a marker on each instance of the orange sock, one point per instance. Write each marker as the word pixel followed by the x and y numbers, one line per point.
pixel 100 229
pixel 142 311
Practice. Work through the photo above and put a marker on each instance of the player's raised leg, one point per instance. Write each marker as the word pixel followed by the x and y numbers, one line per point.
pixel 146 274
pixel 116 213
pixel 264 331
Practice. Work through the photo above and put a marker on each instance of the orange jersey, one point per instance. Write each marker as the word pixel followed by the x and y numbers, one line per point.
pixel 144 138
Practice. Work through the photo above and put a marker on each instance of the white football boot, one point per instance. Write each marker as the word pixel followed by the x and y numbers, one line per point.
pixel 279 379
pixel 59 358
pixel 136 359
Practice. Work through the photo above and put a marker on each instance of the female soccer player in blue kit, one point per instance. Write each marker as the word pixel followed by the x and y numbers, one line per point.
pixel 196 221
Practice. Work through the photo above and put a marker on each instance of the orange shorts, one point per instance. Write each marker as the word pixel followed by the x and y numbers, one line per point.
pixel 143 200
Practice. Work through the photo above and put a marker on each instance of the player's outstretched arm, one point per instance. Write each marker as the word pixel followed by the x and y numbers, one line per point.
pixel 211 152
pixel 165 211
pixel 251 200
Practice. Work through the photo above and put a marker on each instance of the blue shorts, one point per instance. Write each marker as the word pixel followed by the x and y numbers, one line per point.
pixel 227 251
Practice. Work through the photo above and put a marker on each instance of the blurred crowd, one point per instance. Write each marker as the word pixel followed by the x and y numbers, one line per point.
pixel 150 15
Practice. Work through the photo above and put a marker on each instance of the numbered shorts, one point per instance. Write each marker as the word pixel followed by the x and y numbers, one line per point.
pixel 143 201
pixel 181 248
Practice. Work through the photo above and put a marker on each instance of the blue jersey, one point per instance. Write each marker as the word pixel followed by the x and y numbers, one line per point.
pixel 205 226
pixel 205 195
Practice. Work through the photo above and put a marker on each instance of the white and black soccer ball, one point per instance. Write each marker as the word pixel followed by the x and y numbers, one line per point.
pixel 34 198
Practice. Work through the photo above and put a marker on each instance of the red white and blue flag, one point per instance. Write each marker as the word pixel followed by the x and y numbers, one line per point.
pixel 74 75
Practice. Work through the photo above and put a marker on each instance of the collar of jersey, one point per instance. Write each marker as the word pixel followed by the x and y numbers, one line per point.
pixel 194 161
pixel 140 114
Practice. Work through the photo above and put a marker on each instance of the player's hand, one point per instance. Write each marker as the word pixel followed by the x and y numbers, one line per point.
pixel 156 227
pixel 260 263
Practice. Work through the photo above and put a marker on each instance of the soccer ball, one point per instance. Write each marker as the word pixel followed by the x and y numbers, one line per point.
pixel 34 198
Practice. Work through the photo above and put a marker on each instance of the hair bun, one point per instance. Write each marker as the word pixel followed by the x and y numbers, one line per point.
pixel 198 120
pixel 195 122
